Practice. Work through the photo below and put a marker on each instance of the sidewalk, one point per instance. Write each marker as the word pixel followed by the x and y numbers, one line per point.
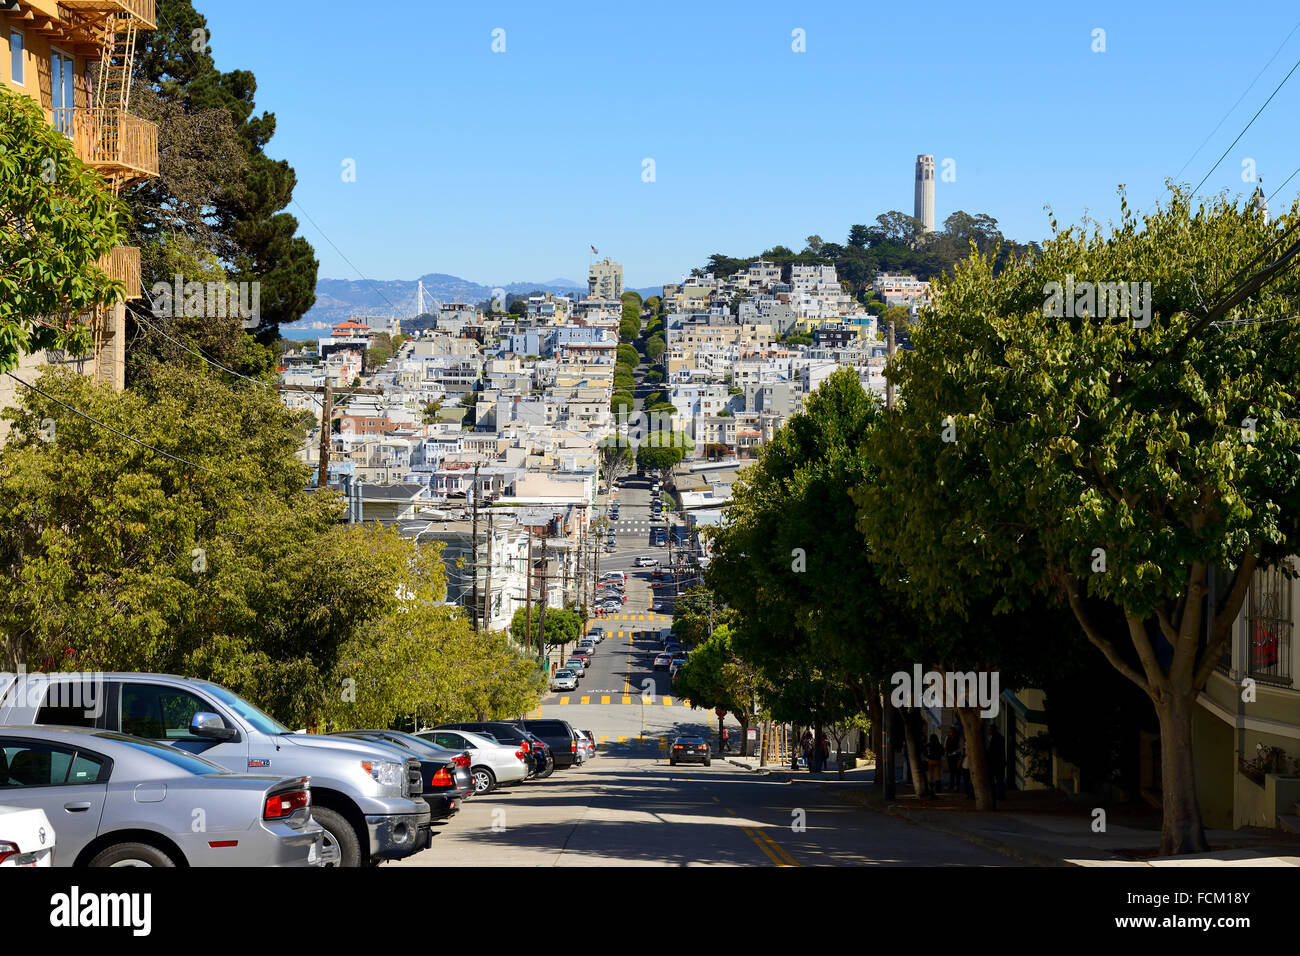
pixel 1046 828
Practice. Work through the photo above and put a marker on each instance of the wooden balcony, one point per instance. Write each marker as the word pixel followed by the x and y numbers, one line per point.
pixel 122 147
pixel 144 12
pixel 123 264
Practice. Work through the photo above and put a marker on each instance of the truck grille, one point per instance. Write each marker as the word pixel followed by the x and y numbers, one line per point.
pixel 414 779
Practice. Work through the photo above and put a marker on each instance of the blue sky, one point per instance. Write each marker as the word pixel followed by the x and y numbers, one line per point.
pixel 501 167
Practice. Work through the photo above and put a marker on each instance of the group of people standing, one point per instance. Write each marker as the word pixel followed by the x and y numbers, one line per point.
pixel 953 749
pixel 816 750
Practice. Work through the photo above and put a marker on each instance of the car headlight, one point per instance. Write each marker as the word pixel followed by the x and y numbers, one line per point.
pixel 389 775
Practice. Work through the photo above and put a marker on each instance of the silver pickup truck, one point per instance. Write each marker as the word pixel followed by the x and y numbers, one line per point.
pixel 367 797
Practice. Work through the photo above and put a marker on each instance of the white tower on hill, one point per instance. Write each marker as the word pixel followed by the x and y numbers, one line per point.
pixel 924 206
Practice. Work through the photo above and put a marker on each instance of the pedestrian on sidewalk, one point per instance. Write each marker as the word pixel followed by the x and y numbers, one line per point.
pixel 952 750
pixel 825 752
pixel 806 745
pixel 998 762
pixel 726 740
pixel 934 764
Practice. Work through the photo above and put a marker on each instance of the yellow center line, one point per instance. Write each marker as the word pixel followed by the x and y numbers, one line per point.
pixel 777 848
pixel 759 843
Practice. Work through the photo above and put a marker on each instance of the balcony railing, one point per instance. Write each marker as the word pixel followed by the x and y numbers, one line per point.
pixel 144 12
pixel 122 147
pixel 123 264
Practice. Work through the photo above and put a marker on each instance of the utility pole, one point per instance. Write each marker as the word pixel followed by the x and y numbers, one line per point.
pixel 541 614
pixel 528 596
pixel 887 707
pixel 327 393
pixel 473 550
pixel 326 423
pixel 487 605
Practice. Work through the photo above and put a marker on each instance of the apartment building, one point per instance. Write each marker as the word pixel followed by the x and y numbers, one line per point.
pixel 605 280
pixel 74 58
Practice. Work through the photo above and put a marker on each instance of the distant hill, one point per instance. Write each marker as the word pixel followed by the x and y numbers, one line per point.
pixel 340 299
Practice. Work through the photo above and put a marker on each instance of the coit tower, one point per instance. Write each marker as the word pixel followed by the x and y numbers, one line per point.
pixel 925 192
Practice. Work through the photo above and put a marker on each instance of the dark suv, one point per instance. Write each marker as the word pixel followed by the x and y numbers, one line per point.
pixel 559 736
pixel 538 754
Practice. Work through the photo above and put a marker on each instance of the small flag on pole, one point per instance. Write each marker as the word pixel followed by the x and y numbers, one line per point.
pixel 595 251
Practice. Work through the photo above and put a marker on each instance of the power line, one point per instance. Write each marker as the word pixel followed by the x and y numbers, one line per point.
pixel 1246 127
pixel 1239 99
pixel 89 418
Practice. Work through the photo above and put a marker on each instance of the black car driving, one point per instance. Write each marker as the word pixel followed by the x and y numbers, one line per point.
pixel 689 749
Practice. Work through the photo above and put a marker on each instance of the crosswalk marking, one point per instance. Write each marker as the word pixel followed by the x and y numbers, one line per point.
pixel 668 701
pixel 627 699
pixel 564 700
pixel 604 700
pixel 585 700
pixel 622 740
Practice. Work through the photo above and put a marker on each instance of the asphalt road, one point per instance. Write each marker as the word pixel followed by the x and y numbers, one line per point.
pixel 628 807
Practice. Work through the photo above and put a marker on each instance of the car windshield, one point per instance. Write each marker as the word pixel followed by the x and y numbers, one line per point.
pixel 564 673
pixel 414 744
pixel 261 722
pixel 177 758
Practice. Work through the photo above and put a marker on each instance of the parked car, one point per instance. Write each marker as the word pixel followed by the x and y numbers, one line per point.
pixel 536 754
pixel 662 660
pixel 26 837
pixel 619 576
pixel 367 795
pixel 125 801
pixel 448 782
pixel 645 561
pixel 559 736
pixel 688 750
pixel 564 679
pixel 491 762
pixel 578 664
pixel 596 634
pixel 591 737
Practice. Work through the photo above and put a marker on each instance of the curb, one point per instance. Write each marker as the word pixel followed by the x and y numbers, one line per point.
pixel 1015 851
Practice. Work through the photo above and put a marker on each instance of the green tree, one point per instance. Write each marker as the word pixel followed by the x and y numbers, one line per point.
pixel 628 355
pixel 660 454
pixel 259 241
pixel 715 677
pixel 655 349
pixel 563 626
pixel 430 414
pixel 614 458
pixel 1107 461
pixel 58 221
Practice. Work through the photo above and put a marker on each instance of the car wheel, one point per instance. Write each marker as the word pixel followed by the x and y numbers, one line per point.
pixel 132 854
pixel 547 772
pixel 484 780
pixel 339 835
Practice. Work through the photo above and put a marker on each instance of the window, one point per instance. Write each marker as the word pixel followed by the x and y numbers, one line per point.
pixel 450 741
pixel 63 90
pixel 159 713
pixel 16 68
pixel 38 764
pixel 72 703
pixel 1269 625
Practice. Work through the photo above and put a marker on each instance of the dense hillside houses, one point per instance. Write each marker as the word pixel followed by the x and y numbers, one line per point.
pixel 502 413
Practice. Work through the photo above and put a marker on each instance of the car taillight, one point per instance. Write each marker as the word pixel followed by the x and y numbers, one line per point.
pixel 678 747
pixel 443 779
pixel 525 747
pixel 7 850
pixel 573 746
pixel 282 804
pixel 520 753
pixel 461 760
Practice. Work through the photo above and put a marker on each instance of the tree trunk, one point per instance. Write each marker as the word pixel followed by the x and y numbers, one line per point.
pixel 1181 830
pixel 874 713
pixel 972 726
pixel 744 734
pixel 795 749
pixel 920 786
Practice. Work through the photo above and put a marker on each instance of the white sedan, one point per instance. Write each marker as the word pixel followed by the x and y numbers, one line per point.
pixel 491 762
pixel 26 837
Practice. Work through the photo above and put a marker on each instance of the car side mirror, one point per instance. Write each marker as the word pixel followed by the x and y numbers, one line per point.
pixel 211 726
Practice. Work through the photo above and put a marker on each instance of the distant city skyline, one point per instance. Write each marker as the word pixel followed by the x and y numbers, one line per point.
pixel 514 164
